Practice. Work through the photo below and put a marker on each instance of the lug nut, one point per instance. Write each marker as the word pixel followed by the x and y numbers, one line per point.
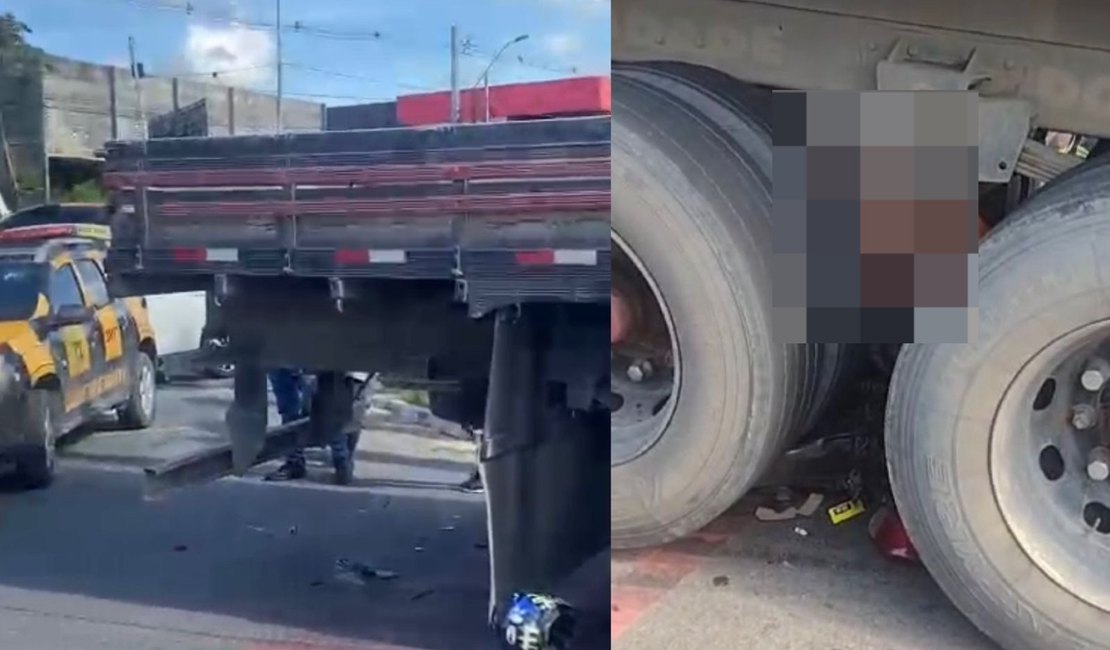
pixel 1098 464
pixel 1083 416
pixel 1095 374
pixel 639 371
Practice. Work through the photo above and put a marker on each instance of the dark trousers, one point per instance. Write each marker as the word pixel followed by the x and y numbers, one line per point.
pixel 291 396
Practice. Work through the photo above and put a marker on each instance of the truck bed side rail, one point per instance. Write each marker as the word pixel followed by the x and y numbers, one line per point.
pixel 521 207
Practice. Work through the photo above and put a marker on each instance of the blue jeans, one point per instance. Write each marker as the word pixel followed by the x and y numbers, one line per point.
pixel 290 395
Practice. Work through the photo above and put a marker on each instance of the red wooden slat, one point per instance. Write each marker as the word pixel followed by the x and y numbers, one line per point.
pixel 378 174
pixel 531 202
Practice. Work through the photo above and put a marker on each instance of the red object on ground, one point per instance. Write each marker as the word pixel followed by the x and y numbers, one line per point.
pixel 574 96
pixel 890 536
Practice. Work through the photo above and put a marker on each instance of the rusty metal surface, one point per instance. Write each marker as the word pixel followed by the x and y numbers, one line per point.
pixel 1055 54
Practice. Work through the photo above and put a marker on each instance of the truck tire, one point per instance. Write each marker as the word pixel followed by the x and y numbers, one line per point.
pixel 987 452
pixel 691 177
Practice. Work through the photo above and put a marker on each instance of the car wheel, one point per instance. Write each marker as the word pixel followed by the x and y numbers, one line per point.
pixel 35 466
pixel 139 409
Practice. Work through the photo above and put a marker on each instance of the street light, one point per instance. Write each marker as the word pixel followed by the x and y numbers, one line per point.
pixel 484 78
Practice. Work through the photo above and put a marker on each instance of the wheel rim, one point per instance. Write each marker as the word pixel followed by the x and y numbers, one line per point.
pixel 146 388
pixel 645 367
pixel 1044 437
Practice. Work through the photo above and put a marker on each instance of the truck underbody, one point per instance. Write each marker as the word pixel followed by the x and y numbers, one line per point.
pixel 472 260
pixel 996 450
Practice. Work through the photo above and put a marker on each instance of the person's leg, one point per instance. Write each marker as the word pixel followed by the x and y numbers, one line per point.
pixel 286 385
pixel 473 483
pixel 342 458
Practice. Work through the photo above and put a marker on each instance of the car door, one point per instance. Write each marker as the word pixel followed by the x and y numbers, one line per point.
pixel 109 340
pixel 70 342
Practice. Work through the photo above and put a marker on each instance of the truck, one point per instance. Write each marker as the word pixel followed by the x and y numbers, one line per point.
pixel 468 258
pixel 996 450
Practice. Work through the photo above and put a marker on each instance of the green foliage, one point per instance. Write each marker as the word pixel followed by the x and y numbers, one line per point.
pixel 87 192
pixel 16 56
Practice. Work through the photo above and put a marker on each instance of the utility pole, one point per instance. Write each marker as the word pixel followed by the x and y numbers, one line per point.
pixel 135 78
pixel 454 74
pixel 280 65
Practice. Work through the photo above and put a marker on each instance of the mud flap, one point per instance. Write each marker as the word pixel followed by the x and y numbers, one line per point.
pixel 545 467
pixel 247 415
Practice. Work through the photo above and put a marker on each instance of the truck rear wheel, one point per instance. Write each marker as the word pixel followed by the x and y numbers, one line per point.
pixel 703 399
pixel 993 447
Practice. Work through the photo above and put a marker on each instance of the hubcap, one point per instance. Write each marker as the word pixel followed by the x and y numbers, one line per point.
pixel 644 375
pixel 1049 444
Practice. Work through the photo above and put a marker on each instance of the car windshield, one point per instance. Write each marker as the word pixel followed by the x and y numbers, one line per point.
pixel 48 215
pixel 20 283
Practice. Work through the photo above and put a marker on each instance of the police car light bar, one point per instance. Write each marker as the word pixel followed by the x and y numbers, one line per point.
pixel 38 233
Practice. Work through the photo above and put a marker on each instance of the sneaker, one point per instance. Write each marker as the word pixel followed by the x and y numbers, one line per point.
pixel 473 484
pixel 344 472
pixel 287 472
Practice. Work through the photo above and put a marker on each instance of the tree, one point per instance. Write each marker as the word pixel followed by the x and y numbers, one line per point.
pixel 16 56
pixel 12 32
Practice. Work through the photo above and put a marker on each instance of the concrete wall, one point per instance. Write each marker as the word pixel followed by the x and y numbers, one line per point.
pixel 86 105
pixel 363 116
pixel 20 99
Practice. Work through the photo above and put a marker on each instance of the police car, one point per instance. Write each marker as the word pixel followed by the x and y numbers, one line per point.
pixel 69 351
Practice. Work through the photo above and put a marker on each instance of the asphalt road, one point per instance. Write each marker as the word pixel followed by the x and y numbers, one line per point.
pixel 798 585
pixel 240 564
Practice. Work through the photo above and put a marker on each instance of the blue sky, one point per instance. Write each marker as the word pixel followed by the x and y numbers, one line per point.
pixel 339 51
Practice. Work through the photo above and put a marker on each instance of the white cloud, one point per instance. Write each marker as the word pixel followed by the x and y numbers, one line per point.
pixel 565 45
pixel 249 55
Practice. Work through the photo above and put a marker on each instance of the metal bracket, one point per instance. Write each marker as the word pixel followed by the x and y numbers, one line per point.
pixel 1004 123
pixel 899 71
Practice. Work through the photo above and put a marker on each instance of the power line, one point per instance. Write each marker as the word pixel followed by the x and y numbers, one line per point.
pixel 330 96
pixel 213 73
pixel 347 75
pixel 306 29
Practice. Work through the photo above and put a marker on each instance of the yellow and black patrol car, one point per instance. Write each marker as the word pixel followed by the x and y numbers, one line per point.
pixel 69 351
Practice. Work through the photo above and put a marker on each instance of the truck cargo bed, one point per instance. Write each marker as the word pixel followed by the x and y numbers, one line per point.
pixel 512 209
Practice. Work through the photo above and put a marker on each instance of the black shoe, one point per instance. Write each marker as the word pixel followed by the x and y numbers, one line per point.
pixel 473 484
pixel 344 472
pixel 287 472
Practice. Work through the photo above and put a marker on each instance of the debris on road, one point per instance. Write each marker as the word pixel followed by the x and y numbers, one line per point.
pixel 786 507
pixel 180 548
pixel 423 594
pixel 292 531
pixel 359 572
pixel 447 529
pixel 801 532
pixel 720 581
pixel 846 511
